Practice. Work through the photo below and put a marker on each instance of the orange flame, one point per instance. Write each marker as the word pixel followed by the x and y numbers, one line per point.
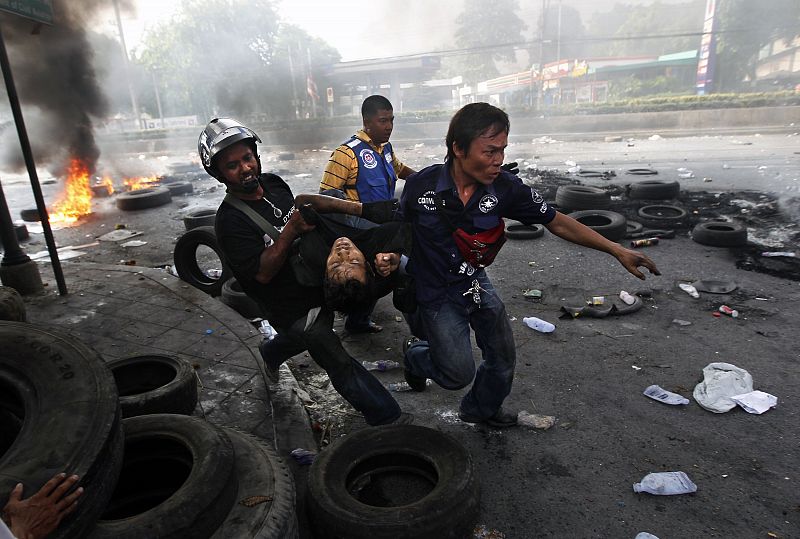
pixel 141 182
pixel 77 198
pixel 106 181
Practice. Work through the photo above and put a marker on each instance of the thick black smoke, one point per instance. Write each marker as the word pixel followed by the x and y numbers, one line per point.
pixel 53 73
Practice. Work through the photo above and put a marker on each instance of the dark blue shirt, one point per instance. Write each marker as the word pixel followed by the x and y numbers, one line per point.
pixel 435 261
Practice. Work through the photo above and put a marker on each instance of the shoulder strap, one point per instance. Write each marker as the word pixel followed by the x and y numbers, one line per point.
pixel 262 223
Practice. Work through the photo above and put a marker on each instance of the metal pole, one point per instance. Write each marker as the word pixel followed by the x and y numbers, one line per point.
pixel 158 100
pixel 27 154
pixel 294 86
pixel 540 93
pixel 125 67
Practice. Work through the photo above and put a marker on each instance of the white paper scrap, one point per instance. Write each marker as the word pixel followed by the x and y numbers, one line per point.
pixel 755 402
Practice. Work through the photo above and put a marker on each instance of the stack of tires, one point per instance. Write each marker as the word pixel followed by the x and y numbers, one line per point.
pixel 154 474
pixel 590 206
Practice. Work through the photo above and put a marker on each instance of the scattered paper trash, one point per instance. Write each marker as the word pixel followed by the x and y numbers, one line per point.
pixel 666 484
pixel 535 421
pixel 303 456
pixel 680 322
pixel 645 535
pixel 570 163
pixel 118 235
pixel 532 293
pixel 721 381
pixel 755 402
pixel 133 243
pixel 656 392
pixel 303 175
pixel 689 289
pixel 654 137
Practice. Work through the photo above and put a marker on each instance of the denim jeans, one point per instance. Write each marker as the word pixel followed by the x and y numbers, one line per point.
pixel 445 353
pixel 353 382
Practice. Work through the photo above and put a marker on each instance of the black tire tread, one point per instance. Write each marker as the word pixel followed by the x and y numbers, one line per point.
pixel 185 257
pixel 179 396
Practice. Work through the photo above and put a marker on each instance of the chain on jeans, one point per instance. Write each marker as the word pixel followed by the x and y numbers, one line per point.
pixel 475 290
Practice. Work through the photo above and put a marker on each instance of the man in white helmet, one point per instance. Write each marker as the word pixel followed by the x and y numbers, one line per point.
pixel 256 227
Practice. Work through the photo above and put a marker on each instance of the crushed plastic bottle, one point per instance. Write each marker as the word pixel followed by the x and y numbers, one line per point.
pixel 733 313
pixel 665 484
pixel 398 386
pixel 627 298
pixel 660 394
pixel 538 324
pixel 380 365
pixel 267 330
pixel 689 289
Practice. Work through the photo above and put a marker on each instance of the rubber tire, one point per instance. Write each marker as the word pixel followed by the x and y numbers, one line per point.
pixel 12 307
pixel 154 384
pixel 71 419
pixel 204 217
pixel 449 510
pixel 609 224
pixel 21 231
pixel 180 188
pixel 234 297
pixel 654 190
pixel 641 172
pixel 633 227
pixel 260 472
pixel 720 234
pixel 30 215
pixel 198 506
pixel 185 257
pixel 590 174
pixel 101 190
pixel 661 215
pixel 582 197
pixel 524 232
pixel 141 199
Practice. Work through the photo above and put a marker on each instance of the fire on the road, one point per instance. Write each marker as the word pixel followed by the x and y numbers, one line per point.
pixel 142 182
pixel 77 199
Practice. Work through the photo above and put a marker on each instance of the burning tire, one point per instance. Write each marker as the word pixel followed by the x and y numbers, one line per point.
pixel 59 411
pixel 234 297
pixel 197 218
pixel 142 199
pixel 393 482
pixel 654 190
pixel 719 234
pixel 266 495
pixel 30 215
pixel 582 197
pixel 609 224
pixel 180 188
pixel 524 232
pixel 154 384
pixel 178 480
pixel 662 215
pixel 186 264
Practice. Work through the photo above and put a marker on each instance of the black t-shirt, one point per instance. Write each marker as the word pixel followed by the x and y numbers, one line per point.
pixel 242 242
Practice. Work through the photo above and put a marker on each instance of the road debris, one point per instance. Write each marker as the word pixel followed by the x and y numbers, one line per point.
pixel 660 394
pixel 721 381
pixel 665 484
pixel 689 289
pixel 535 421
pixel 538 324
pixel 755 402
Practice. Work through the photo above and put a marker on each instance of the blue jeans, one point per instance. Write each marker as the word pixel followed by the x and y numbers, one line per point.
pixel 353 382
pixel 445 353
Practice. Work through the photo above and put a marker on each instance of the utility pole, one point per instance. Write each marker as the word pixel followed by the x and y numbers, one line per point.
pixel 126 68
pixel 540 92
pixel 158 100
pixel 294 85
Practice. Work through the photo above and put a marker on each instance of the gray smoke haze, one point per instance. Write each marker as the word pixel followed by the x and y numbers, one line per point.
pixel 57 87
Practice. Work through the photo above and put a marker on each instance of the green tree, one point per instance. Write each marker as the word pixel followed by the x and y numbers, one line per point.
pixel 481 29
pixel 627 20
pixel 745 27
pixel 227 57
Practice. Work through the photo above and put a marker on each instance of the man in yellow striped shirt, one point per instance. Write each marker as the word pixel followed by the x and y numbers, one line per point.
pixel 365 167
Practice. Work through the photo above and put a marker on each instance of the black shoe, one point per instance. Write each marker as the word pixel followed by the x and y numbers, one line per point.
pixel 416 383
pixel 271 370
pixel 500 420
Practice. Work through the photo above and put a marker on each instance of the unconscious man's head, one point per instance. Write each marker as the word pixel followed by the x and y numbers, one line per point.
pixel 348 277
pixel 229 153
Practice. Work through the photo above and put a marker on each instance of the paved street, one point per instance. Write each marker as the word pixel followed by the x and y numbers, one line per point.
pixel 575 479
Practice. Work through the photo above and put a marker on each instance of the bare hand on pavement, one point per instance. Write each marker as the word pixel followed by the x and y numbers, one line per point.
pixel 40 514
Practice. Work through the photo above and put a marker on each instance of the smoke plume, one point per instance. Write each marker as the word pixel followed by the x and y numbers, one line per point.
pixel 52 69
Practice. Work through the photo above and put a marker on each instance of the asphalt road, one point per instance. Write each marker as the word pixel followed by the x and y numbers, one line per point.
pixel 575 480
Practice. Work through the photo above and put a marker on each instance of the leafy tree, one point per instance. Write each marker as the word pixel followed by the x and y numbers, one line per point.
pixel 227 57
pixel 745 27
pixel 626 20
pixel 481 29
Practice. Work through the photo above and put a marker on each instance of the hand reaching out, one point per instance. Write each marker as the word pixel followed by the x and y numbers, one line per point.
pixel 39 515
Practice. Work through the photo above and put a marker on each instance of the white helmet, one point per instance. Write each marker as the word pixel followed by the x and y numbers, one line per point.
pixel 218 135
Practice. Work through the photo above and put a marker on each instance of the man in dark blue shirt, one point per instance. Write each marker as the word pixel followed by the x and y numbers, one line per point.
pixel 471 194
